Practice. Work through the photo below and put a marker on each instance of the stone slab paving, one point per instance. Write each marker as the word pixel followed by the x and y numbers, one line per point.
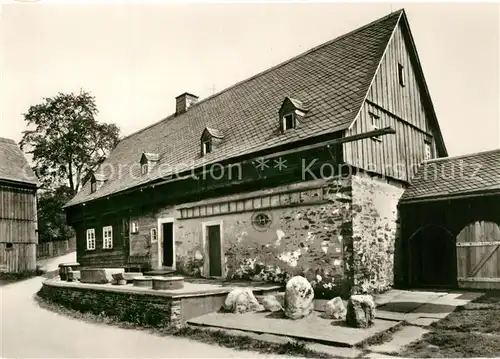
pixel 423 322
pixel 400 339
pixel 311 328
pixel 341 352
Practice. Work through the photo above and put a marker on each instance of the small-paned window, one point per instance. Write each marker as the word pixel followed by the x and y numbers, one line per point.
pixel 428 151
pixel 154 235
pixel 107 237
pixel 91 239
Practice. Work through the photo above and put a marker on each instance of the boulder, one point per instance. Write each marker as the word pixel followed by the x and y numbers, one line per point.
pixel 299 296
pixel 241 300
pixel 335 309
pixel 98 275
pixel 271 303
pixel 360 311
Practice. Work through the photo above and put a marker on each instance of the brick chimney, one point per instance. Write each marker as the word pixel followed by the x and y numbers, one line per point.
pixel 184 101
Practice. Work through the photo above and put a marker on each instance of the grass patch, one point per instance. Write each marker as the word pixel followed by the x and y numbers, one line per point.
pixel 453 344
pixel 482 315
pixel 470 331
pixel 216 337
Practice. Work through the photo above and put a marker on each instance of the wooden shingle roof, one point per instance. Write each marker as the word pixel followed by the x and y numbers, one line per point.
pixel 455 176
pixel 13 165
pixel 333 79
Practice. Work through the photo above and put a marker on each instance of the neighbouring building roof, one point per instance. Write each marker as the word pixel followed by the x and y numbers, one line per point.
pixel 456 176
pixel 333 79
pixel 13 165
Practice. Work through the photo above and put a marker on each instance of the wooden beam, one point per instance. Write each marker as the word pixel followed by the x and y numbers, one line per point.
pixel 337 141
pixel 483 193
pixel 477 279
pixel 477 244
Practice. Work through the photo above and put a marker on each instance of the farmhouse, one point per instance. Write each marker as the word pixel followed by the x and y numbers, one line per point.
pixel 18 216
pixel 296 170
pixel 450 222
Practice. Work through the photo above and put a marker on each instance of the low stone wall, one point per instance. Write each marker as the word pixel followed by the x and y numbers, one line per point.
pixel 139 308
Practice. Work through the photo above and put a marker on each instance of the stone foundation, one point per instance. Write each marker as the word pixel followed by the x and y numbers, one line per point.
pixel 138 308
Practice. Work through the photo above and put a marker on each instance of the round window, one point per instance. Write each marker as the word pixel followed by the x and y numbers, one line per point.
pixel 261 221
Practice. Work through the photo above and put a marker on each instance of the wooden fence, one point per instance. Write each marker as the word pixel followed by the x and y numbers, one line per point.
pixel 55 248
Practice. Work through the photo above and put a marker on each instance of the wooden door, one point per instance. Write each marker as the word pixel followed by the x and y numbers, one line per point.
pixel 478 256
pixel 214 251
pixel 168 244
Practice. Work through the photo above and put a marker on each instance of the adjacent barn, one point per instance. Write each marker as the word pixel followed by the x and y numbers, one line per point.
pixel 18 216
pixel 450 218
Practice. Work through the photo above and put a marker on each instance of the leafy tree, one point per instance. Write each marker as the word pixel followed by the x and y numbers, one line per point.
pixel 51 218
pixel 65 139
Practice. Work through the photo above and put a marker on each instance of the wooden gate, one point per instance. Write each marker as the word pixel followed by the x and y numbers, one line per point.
pixel 478 256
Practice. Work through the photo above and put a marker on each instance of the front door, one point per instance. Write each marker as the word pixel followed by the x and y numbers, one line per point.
pixel 168 244
pixel 214 251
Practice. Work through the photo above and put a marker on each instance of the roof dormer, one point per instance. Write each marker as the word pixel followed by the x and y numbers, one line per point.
pixel 96 181
pixel 211 138
pixel 291 112
pixel 147 161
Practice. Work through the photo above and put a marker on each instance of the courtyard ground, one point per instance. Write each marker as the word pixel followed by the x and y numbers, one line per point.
pixel 29 331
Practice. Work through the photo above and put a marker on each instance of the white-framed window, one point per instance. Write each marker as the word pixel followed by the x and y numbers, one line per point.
pixel 288 122
pixel 107 237
pixel 401 75
pixel 134 228
pixel 428 151
pixel 144 168
pixel 375 125
pixel 154 234
pixel 206 147
pixel 90 239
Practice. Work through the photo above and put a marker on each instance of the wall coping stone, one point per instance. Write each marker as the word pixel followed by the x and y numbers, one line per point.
pixel 54 282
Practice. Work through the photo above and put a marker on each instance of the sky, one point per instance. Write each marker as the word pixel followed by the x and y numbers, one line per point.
pixel 136 58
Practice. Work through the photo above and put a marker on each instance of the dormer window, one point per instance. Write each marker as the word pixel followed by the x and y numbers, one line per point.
pixel 206 147
pixel 291 112
pixel 211 138
pixel 147 162
pixel 96 181
pixel 288 122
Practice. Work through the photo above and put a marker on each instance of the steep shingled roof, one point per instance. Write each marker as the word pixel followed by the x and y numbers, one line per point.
pixel 332 78
pixel 13 165
pixel 453 176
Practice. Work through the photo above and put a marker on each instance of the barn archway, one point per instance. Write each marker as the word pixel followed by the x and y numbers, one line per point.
pixel 433 257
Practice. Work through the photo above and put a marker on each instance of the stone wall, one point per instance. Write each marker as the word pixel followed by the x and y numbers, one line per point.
pixel 138 308
pixel 374 226
pixel 309 230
